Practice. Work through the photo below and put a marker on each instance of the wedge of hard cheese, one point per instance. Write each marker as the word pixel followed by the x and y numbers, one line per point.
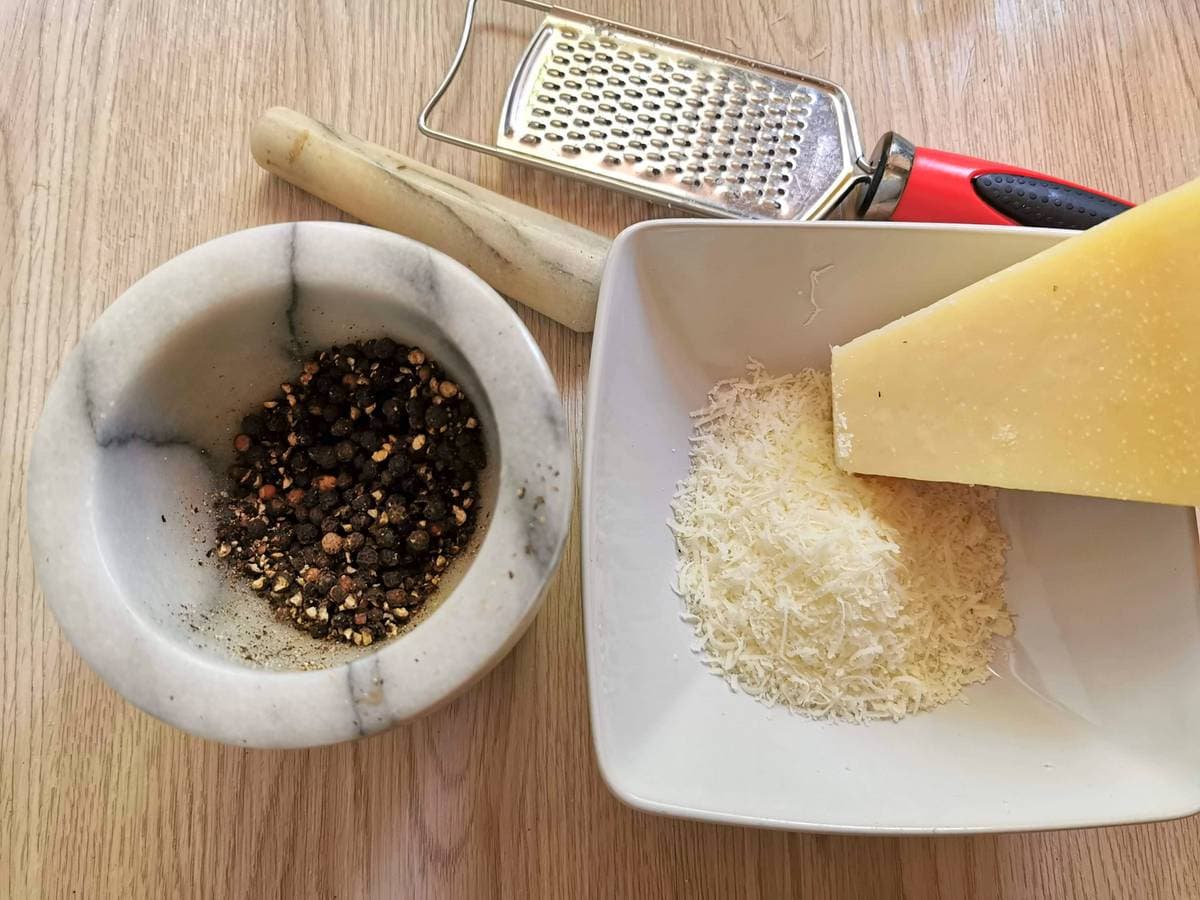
pixel 1076 371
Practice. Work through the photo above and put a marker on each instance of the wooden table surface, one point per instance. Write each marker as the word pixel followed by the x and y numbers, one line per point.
pixel 123 140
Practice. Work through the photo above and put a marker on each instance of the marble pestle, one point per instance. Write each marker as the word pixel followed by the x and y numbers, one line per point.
pixel 528 255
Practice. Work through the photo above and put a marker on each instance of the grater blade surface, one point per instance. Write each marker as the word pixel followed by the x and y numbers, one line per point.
pixel 675 123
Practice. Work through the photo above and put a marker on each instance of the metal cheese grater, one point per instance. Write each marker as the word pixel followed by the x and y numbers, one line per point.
pixel 719 134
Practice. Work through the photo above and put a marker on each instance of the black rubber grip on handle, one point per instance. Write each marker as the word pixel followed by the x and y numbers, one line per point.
pixel 1045 203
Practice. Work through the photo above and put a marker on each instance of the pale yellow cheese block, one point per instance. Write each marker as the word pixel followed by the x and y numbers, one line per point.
pixel 1076 371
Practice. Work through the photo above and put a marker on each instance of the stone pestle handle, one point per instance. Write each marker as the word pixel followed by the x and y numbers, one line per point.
pixel 542 261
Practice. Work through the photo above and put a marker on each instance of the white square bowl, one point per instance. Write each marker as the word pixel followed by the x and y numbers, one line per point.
pixel 1093 716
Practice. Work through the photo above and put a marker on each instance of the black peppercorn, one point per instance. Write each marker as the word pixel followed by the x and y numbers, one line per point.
pixel 341 489
pixel 393 411
pixel 252 425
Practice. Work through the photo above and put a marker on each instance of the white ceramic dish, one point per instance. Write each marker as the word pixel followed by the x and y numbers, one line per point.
pixel 1093 716
pixel 136 434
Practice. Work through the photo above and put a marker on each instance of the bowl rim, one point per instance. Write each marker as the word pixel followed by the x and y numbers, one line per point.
pixel 473 627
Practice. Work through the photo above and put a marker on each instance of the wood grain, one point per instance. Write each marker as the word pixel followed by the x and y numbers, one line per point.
pixel 124 140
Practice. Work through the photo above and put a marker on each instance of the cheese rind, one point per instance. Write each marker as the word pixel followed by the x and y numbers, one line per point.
pixel 1076 371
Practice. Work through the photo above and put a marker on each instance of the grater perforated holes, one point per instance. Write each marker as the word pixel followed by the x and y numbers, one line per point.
pixel 538 111
pixel 570 148
pixel 551 85
pixel 625 55
pixel 592 147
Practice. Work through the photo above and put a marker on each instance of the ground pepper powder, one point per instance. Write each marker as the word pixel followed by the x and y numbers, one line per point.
pixel 352 490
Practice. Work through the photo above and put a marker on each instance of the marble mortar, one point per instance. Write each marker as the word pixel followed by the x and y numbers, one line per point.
pixel 136 434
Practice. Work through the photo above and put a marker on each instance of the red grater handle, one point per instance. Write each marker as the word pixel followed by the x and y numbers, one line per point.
pixel 947 187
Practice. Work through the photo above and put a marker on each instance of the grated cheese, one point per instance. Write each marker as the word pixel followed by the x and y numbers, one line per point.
pixel 853 597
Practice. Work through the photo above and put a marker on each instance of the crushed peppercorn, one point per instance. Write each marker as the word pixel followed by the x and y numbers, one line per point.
pixel 352 490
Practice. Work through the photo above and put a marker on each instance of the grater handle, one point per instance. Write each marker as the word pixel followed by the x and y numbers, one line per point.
pixel 919 184
pixel 531 256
